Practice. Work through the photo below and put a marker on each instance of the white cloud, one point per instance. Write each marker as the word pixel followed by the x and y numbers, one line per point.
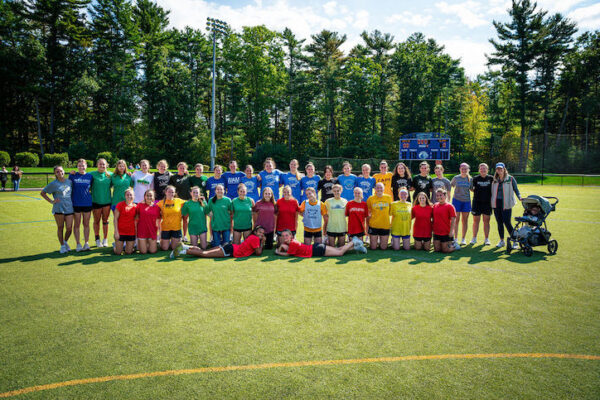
pixel 553 6
pixel 471 54
pixel 330 8
pixel 587 17
pixel 409 18
pixel 469 12
pixel 361 20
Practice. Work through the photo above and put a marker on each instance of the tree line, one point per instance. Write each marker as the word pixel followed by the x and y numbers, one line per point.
pixel 84 77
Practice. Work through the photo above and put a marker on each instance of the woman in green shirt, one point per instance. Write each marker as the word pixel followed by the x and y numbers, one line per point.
pixel 196 209
pixel 101 200
pixel 120 181
pixel 242 214
pixel 221 218
pixel 199 179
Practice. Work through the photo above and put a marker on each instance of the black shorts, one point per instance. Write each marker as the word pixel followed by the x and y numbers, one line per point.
pixel 379 232
pixel 318 250
pixel 280 232
pixel 442 238
pixel 358 235
pixel 422 239
pixel 166 235
pixel 227 249
pixel 85 209
pixel 126 238
pixel 96 206
pixel 479 208
pixel 336 234
pixel 313 234
pixel 242 230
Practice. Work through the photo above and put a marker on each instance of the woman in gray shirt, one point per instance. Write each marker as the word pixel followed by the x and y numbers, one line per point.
pixel 461 200
pixel 62 207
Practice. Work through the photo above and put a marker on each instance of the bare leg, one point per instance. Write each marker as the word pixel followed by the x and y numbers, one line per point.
pixel 447 247
pixel 152 246
pixel 373 240
pixel 331 241
pixel 142 246
pixel 77 224
pixel 476 219
pixel 97 212
pixel 129 247
pixel 86 226
pixel 395 243
pixel 193 240
pixel 185 224
pixel 383 242
pixel 164 244
pixel 418 245
pixel 464 216
pixel 341 241
pixel 319 239
pixel 60 226
pixel 215 252
pixel 237 237
pixel 174 243
pixel 486 225
pixel 118 247
pixel 68 227
pixel 246 234
pixel 105 217
pixel 437 245
pixel 427 245
pixel 202 238
pixel 338 251
pixel 308 240
pixel 406 243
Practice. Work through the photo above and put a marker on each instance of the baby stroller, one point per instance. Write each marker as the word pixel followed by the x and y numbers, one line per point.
pixel 531 228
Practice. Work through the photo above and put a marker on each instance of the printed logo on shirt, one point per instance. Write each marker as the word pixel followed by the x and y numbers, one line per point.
pixel 249 186
pixel 381 205
pixel 271 179
pixel 143 181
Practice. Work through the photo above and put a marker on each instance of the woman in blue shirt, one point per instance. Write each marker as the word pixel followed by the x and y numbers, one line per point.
pixel 348 182
pixel 251 183
pixel 232 180
pixel 292 179
pixel 270 177
pixel 82 202
pixel 309 181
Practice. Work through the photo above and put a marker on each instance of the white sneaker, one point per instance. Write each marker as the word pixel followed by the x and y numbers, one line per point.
pixel 473 241
pixel 456 245
pixel 105 243
pixel 463 242
pixel 184 239
pixel 486 242
pixel 86 246
pixel 67 246
pixel 79 248
pixel 98 243
pixel 501 244
pixel 63 249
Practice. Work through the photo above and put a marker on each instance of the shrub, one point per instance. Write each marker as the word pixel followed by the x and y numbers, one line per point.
pixel 90 163
pixel 50 160
pixel 27 159
pixel 4 158
pixel 109 157
pixel 277 151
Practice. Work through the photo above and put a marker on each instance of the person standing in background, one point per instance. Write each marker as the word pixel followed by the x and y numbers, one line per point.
pixel 504 189
pixel 3 177
pixel 15 176
pixel 366 182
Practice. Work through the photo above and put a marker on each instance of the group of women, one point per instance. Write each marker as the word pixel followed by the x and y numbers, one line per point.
pixel 153 210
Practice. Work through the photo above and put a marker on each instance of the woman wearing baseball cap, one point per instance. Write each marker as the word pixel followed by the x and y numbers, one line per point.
pixel 504 189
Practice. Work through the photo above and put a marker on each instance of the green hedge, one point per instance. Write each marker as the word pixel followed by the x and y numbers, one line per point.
pixel 50 160
pixel 4 158
pixel 109 157
pixel 27 159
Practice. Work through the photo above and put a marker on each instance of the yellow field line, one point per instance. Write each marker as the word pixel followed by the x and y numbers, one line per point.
pixel 86 381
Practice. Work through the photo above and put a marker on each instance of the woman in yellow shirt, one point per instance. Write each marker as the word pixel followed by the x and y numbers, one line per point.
pixel 379 217
pixel 170 225
pixel 401 220
pixel 384 177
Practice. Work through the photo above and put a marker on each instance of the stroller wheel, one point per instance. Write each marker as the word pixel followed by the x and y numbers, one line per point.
pixel 552 247
pixel 528 251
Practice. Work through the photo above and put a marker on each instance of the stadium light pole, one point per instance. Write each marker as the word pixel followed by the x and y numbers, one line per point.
pixel 215 26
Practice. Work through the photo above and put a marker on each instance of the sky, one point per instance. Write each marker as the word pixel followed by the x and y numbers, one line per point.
pixel 464 27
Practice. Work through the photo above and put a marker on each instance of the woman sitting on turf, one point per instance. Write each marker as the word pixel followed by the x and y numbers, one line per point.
pixel 444 221
pixel 124 224
pixel 292 247
pixel 252 245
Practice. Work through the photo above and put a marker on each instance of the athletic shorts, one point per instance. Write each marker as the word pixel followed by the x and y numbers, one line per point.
pixel 358 235
pixel 66 215
pixel 443 238
pixel 461 206
pixel 318 250
pixel 113 207
pixel 317 234
pixel 280 232
pixel 242 230
pixel 227 249
pixel 96 206
pixel 479 208
pixel 166 235
pixel 79 209
pixel 422 239
pixel 126 238
pixel 401 236
pixel 336 234
pixel 379 232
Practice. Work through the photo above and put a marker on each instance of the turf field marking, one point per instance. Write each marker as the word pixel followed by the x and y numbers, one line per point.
pixel 31 197
pixel 576 222
pixel 26 222
pixel 315 363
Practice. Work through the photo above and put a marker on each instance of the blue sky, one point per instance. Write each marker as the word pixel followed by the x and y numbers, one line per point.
pixel 462 26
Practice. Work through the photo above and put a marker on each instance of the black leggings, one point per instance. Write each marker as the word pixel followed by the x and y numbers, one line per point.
pixel 269 240
pixel 503 218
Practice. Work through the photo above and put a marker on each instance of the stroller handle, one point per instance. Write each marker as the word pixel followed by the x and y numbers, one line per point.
pixel 552 198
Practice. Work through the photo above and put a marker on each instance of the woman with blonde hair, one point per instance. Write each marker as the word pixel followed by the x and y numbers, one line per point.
pixel 101 200
pixel 170 225
pixel 504 190
pixel 125 224
pixel 264 213
pixel 120 181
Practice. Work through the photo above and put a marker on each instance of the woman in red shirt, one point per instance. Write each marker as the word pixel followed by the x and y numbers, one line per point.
pixel 253 244
pixel 292 247
pixel 287 213
pixel 147 221
pixel 422 213
pixel 357 212
pixel 444 219
pixel 125 224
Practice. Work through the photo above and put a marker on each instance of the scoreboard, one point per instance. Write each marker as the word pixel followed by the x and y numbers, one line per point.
pixel 424 146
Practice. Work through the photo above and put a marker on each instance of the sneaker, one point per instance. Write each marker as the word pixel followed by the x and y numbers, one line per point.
pixel 474 240
pixel 456 245
pixel 105 243
pixel 184 239
pixel 63 249
pixel 463 242
pixel 177 251
pixel 79 248
pixel 98 243
pixel 501 244
pixel 86 246
pixel 67 246
pixel 486 242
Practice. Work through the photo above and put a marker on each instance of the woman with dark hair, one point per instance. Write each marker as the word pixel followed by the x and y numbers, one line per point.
pixel 147 223
pixel 221 217
pixel 15 176
pixel 325 185
pixel 347 181
pixel 504 189
pixel 143 180
pixel 251 183
pixel 199 179
pixel 422 182
pixel 82 202
pixel 292 179
pixel 101 200
pixel 181 181
pixel 311 180
pixel 120 181
pixel 264 213
pixel 170 226
pixel 62 207
pixel 196 209
pixel 161 179
pixel 401 179
pixel 422 213
pixel 270 177
pixel 125 225
pixel 482 202
pixel 241 207
pixel 444 220
pixel 232 180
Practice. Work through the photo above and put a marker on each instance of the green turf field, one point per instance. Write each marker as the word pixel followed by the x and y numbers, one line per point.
pixel 90 315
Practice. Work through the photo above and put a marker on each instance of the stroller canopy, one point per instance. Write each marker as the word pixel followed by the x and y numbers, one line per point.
pixel 540 201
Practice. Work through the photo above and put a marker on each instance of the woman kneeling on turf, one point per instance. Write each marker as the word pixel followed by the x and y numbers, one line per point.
pixel 292 247
pixel 444 221
pixel 252 245
pixel 125 226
